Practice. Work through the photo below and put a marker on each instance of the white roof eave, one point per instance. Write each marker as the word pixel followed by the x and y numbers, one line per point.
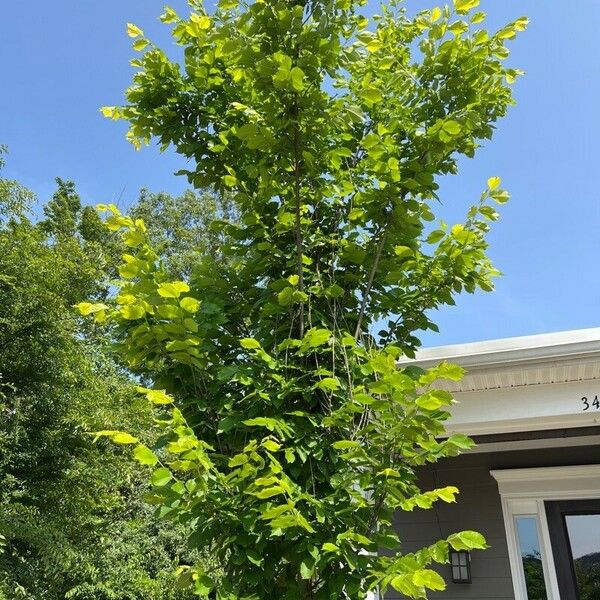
pixel 516 351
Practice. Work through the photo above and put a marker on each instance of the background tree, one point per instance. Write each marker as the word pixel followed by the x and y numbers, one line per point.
pixel 182 227
pixel 294 437
pixel 15 199
pixel 72 520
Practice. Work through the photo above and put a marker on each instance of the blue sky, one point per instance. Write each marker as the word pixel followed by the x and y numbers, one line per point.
pixel 63 60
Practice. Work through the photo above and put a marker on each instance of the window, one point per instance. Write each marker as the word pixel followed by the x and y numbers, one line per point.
pixel 533 568
pixel 574 527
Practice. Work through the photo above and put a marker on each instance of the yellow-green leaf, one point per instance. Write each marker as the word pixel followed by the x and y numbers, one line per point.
pixel 131 312
pixel 493 182
pixel 429 579
pixel 168 311
pixel 202 21
pixel 161 477
pixel 464 6
pixel 434 399
pixel 144 455
pixel 122 437
pixel 134 31
pixel 249 343
pixel 155 396
pixel 140 44
pixel 271 446
pixel 297 78
pixel 190 304
pixel 328 384
pixel 173 290
pixel 88 308
pixel 436 13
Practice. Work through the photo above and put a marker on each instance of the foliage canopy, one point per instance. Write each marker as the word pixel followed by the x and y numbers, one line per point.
pixel 72 523
pixel 294 436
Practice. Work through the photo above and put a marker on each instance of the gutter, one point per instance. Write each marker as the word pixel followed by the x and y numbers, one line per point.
pixel 567 346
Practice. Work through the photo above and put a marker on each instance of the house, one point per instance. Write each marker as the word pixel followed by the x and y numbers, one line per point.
pixel 532 483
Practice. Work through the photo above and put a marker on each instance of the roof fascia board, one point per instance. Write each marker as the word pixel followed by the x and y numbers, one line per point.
pixel 521 351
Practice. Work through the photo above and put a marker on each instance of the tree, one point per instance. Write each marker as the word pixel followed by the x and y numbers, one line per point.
pixel 72 522
pixel 15 199
pixel 294 437
pixel 181 227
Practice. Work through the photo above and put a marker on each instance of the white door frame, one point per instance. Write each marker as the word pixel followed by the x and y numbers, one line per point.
pixel 523 493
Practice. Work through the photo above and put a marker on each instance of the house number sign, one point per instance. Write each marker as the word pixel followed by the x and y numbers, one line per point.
pixel 589 403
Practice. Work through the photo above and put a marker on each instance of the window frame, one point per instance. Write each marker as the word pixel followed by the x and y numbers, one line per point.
pixel 524 493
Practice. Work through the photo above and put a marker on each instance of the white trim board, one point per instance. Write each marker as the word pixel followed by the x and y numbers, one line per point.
pixel 523 492
pixel 532 408
pixel 534 444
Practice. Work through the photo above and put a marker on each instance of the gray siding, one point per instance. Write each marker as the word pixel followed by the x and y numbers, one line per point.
pixel 478 508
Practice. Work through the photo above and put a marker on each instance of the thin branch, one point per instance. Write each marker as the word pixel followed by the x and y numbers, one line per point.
pixel 365 298
pixel 298 224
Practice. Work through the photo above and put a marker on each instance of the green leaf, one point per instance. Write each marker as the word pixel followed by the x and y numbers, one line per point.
pixel 254 557
pixel 447 494
pixel 452 127
pixel 249 343
pixel 334 291
pixel 450 371
pixel 435 236
pixel 131 312
pixel 403 251
pixel 404 584
pixel 316 337
pixel 144 455
pixel 134 31
pixel 229 180
pixel 297 79
pixel 306 570
pixel 161 477
pixel 202 21
pixel 269 492
pixel 168 311
pixel 328 384
pixel 270 424
pixel 177 346
pixel 329 547
pixel 203 585
pixel 156 396
pixel 190 304
pixel 88 308
pixel 271 445
pixel 467 540
pixel 434 399
pixel 464 6
pixel 371 95
pixel 238 460
pixel 345 444
pixel 493 182
pixel 429 579
pixel 500 196
pixel 173 290
pixel 122 437
pixel 285 296
pixel 461 441
pixel 139 45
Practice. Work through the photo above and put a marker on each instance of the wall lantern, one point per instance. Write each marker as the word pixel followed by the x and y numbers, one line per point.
pixel 460 561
